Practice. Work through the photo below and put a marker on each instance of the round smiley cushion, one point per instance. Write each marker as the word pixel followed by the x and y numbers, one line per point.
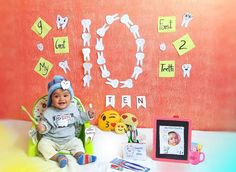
pixel 108 120
pixel 129 119
pixel 120 128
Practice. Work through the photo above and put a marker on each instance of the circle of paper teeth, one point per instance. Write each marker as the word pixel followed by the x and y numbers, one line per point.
pixel 101 61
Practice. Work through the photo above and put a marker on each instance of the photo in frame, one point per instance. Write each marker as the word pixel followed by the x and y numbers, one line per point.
pixel 172 139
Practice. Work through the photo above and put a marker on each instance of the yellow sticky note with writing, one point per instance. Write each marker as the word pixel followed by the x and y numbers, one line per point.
pixel 61 45
pixel 184 44
pixel 166 24
pixel 43 67
pixel 41 28
pixel 167 68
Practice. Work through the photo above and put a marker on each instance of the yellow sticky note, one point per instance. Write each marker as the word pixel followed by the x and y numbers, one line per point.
pixel 167 68
pixel 166 24
pixel 61 45
pixel 41 28
pixel 183 44
pixel 43 67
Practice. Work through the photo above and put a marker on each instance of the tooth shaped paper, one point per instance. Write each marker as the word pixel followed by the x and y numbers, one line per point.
pixel 100 60
pixel 86 39
pixel 87 67
pixel 61 22
pixel 113 82
pixel 127 83
pixel 139 58
pixel 111 18
pixel 99 46
pixel 137 71
pixel 187 17
pixel 105 73
pixel 140 44
pixel 125 20
pixel 40 46
pixel 135 30
pixel 86 24
pixel 186 70
pixel 101 31
pixel 87 78
pixel 86 54
pixel 64 65
pixel 65 84
pixel 162 46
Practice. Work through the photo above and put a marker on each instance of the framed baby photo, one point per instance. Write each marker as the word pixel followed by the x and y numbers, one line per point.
pixel 171 139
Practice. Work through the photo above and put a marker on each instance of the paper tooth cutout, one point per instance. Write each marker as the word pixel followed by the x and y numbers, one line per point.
pixel 87 68
pixel 105 73
pixel 125 20
pixel 134 29
pixel 87 78
pixel 186 70
pixel 162 46
pixel 101 31
pixel 127 83
pixel 86 24
pixel 64 65
pixel 140 44
pixel 86 38
pixel 139 58
pixel 110 100
pixel 61 22
pixel 100 60
pixel 99 46
pixel 40 46
pixel 187 17
pixel 113 82
pixel 89 134
pixel 86 54
pixel 137 71
pixel 111 18
pixel 65 84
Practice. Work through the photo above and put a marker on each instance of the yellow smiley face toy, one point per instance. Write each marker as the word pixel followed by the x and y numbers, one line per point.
pixel 120 128
pixel 108 120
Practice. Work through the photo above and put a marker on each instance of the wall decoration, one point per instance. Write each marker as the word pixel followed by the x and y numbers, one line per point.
pixel 41 28
pixel 87 78
pixel 87 67
pixel 187 17
pixel 134 29
pixel 64 65
pixel 166 24
pixel 40 46
pixel 126 101
pixel 186 70
pixel 43 67
pixel 61 45
pixel 167 68
pixel 86 23
pixel 183 44
pixel 86 39
pixel 61 22
pixel 86 54
pixel 163 46
pixel 141 101
pixel 110 100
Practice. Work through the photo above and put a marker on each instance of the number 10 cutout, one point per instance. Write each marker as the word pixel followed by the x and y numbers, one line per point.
pixel 183 44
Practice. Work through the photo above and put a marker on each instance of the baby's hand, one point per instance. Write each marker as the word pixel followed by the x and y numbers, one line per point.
pixel 40 127
pixel 91 112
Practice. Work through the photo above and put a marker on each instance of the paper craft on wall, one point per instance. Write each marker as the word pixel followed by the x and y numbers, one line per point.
pixel 43 67
pixel 167 68
pixel 87 78
pixel 61 45
pixel 183 44
pixel 141 101
pixel 126 101
pixel 187 17
pixel 61 22
pixel 163 46
pixel 110 100
pixel 87 68
pixel 166 24
pixel 86 54
pixel 186 70
pixel 40 46
pixel 86 39
pixel 64 65
pixel 134 29
pixel 41 28
pixel 86 25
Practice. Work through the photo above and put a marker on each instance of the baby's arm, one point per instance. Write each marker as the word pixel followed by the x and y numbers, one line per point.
pixel 43 127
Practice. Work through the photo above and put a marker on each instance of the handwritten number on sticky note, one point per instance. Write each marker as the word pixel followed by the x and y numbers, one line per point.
pixel 40 26
pixel 182 45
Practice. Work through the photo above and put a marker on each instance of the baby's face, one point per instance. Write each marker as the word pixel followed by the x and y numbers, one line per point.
pixel 173 139
pixel 61 99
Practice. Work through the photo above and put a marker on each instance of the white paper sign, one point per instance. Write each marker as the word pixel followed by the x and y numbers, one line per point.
pixel 126 101
pixel 135 151
pixel 141 101
pixel 110 100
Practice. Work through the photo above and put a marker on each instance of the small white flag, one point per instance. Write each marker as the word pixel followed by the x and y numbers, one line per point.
pixel 110 100
pixel 141 101
pixel 126 101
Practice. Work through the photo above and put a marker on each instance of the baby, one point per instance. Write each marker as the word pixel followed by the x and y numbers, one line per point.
pixel 57 125
pixel 173 138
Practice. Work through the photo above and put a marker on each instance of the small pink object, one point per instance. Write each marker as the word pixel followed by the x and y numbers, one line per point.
pixel 196 157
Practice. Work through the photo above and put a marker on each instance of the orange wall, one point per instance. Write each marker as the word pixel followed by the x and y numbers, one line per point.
pixel 207 98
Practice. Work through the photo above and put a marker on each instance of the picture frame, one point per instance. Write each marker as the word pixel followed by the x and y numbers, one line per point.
pixel 172 139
